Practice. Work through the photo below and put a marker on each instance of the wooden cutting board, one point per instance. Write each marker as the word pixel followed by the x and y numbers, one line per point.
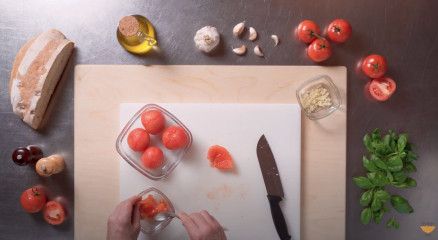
pixel 237 197
pixel 99 89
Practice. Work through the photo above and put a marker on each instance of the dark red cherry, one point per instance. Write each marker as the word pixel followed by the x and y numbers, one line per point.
pixel 30 154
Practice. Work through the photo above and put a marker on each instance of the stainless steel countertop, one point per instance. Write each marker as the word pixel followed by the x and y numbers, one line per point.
pixel 402 31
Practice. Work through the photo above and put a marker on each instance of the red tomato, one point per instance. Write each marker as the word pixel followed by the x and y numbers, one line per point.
pixel 152 157
pixel 382 88
pixel 33 200
pixel 138 139
pixel 319 50
pixel 339 31
pixel 374 66
pixel 153 121
pixel 175 137
pixel 54 213
pixel 307 31
pixel 219 157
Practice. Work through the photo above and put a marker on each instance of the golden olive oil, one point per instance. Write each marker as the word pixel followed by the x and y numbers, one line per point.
pixel 143 37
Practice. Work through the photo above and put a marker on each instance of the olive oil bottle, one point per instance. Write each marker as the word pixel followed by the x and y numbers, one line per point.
pixel 136 34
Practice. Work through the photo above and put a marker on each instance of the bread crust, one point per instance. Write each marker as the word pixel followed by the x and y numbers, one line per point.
pixel 35 73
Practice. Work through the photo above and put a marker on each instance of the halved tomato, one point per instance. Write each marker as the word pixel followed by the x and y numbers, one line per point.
pixel 54 213
pixel 219 157
pixel 382 88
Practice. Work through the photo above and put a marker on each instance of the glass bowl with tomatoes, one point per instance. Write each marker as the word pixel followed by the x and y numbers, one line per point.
pixel 152 202
pixel 154 141
pixel 318 97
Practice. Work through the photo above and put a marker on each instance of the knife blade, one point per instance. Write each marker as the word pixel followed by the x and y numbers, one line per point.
pixel 272 180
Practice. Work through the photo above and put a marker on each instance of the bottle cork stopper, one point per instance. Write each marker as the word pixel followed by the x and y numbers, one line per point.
pixel 128 26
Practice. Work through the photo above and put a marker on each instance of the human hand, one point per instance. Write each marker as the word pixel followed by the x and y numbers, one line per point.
pixel 202 226
pixel 124 222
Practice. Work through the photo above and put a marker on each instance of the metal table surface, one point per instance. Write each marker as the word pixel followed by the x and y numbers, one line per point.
pixel 402 31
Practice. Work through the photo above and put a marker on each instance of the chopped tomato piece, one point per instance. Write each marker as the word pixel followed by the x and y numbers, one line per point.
pixel 219 157
pixel 149 207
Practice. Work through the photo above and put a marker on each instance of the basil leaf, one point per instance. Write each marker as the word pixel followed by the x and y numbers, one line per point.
pixel 380 149
pixel 376 135
pixel 402 155
pixel 368 165
pixel 382 195
pixel 366 198
pixel 378 217
pixel 366 215
pixel 387 143
pixel 377 179
pixel 379 162
pixel 395 224
pixel 385 209
pixel 409 167
pixel 394 164
pixel 411 156
pixel 393 135
pixel 401 205
pixel 363 182
pixel 368 143
pixel 409 183
pixel 389 176
pixel 402 140
pixel 392 223
pixel 376 204
pixel 400 177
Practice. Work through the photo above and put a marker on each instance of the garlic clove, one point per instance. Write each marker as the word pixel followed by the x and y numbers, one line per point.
pixel 238 29
pixel 240 51
pixel 258 51
pixel 252 34
pixel 276 39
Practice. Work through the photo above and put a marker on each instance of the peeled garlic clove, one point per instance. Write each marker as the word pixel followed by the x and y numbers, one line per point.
pixel 240 51
pixel 276 39
pixel 207 38
pixel 258 51
pixel 238 29
pixel 252 34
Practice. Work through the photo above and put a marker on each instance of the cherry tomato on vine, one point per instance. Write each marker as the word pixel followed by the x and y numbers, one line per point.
pixel 339 31
pixel 33 200
pixel 319 50
pixel 382 88
pixel 374 66
pixel 307 30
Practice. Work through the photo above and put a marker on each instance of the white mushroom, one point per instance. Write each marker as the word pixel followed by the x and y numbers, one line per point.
pixel 207 38
pixel 240 51
pixel 252 34
pixel 276 39
pixel 258 51
pixel 238 29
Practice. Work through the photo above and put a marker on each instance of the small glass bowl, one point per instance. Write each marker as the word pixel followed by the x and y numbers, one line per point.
pixel 171 157
pixel 325 82
pixel 149 226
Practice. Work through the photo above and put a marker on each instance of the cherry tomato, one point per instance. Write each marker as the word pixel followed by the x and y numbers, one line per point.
pixel 175 137
pixel 33 200
pixel 54 213
pixel 153 121
pixel 319 50
pixel 374 66
pixel 152 157
pixel 306 31
pixel 382 88
pixel 138 139
pixel 339 30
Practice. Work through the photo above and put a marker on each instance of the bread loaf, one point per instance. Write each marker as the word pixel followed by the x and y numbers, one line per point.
pixel 35 73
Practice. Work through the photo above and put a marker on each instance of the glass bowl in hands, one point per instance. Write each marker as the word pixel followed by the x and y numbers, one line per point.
pixel 318 97
pixel 148 225
pixel 171 157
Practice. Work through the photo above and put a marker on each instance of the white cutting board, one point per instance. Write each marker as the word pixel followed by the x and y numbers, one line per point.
pixel 237 198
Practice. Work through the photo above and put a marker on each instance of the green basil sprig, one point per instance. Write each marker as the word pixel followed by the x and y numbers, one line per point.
pixel 390 160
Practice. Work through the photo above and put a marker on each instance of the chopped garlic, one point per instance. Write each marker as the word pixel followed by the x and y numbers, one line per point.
pixel 316 99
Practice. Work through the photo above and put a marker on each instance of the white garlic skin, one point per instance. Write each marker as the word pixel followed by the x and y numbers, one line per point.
pixel 276 39
pixel 252 34
pixel 238 29
pixel 258 51
pixel 207 38
pixel 240 51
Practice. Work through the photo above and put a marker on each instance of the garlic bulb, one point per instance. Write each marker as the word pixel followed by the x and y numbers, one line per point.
pixel 258 51
pixel 240 51
pixel 252 34
pixel 238 29
pixel 207 38
pixel 276 39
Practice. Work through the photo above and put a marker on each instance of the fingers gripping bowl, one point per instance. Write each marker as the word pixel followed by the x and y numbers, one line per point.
pixel 168 159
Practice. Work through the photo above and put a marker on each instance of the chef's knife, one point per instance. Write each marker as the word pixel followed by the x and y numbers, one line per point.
pixel 273 185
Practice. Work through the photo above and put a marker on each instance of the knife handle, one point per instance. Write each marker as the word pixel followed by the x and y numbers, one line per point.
pixel 277 216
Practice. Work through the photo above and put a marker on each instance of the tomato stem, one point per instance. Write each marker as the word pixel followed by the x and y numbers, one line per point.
pixel 312 33
pixel 35 192
pixel 376 66
pixel 336 29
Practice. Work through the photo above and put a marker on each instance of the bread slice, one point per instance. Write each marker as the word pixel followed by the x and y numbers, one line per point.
pixel 35 73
